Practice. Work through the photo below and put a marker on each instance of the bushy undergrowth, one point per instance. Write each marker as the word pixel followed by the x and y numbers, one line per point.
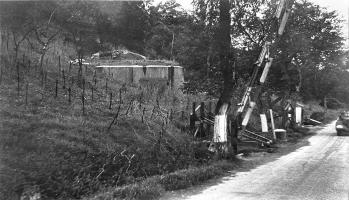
pixel 317 112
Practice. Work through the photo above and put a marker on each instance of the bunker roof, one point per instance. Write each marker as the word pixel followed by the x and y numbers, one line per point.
pixel 133 63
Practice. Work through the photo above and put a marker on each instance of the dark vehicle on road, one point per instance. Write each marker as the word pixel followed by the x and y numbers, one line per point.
pixel 342 124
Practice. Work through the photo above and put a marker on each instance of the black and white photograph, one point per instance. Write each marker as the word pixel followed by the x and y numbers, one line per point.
pixel 174 99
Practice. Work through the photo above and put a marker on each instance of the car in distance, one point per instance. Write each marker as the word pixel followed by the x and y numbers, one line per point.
pixel 342 124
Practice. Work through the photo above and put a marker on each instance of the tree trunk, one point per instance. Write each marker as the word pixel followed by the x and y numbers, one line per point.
pixel 223 40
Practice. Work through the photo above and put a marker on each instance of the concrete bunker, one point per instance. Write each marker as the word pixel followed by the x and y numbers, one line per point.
pixel 161 74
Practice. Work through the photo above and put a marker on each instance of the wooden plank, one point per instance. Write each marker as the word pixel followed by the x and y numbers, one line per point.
pixel 248 114
pixel 263 53
pixel 283 22
pixel 313 120
pixel 279 9
pixel 266 71
pixel 272 123
pixel 298 112
pixel 264 123
pixel 244 99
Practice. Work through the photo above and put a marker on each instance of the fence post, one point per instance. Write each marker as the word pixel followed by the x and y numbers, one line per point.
pixel 192 118
pixel 120 96
pixel 56 87
pixel 110 100
pixel 92 92
pixel 143 112
pixel 83 103
pixel 1 74
pixel 45 80
pixel 18 86
pixel 83 86
pixel 42 76
pixel 106 86
pixel 170 115
pixel 28 65
pixel 59 65
pixel 202 116
pixel 26 94
pixel 63 78
pixel 69 91
pixel 69 67
pixel 208 117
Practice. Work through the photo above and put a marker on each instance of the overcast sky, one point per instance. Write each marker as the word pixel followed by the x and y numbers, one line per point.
pixel 341 6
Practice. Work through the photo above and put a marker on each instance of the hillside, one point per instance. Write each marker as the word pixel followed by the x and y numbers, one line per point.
pixel 54 146
pixel 70 131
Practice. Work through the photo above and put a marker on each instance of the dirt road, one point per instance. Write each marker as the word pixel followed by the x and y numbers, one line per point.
pixel 319 171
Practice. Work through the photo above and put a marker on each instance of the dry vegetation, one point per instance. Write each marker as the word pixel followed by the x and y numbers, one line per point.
pixel 68 146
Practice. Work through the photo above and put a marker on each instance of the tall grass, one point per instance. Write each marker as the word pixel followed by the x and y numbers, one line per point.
pixel 49 146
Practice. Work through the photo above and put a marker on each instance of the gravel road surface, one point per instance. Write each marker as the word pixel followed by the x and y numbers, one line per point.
pixel 318 171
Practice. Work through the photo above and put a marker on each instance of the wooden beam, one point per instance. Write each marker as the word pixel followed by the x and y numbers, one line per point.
pixel 266 71
pixel 283 21
pixel 248 114
pixel 279 9
pixel 272 123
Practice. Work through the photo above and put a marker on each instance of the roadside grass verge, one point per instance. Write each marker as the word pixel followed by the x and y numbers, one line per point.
pixel 154 187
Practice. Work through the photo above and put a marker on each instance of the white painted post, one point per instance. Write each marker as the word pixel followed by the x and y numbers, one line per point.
pixel 262 54
pixel 283 21
pixel 266 70
pixel 272 123
pixel 264 123
pixel 280 8
pixel 248 114
pixel 298 112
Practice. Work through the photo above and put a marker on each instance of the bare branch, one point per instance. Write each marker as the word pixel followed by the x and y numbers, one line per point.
pixel 38 38
pixel 52 36
pixel 49 20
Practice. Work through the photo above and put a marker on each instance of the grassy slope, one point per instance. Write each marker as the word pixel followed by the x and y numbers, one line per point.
pixel 49 146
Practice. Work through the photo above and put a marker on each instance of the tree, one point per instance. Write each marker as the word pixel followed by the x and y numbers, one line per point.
pixel 15 21
pixel 45 33
pixel 310 46
pixel 224 43
pixel 170 26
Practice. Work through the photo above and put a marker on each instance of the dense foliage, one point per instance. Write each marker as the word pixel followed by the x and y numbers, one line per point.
pixel 309 52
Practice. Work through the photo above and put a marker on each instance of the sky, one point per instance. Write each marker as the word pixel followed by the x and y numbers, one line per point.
pixel 341 6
